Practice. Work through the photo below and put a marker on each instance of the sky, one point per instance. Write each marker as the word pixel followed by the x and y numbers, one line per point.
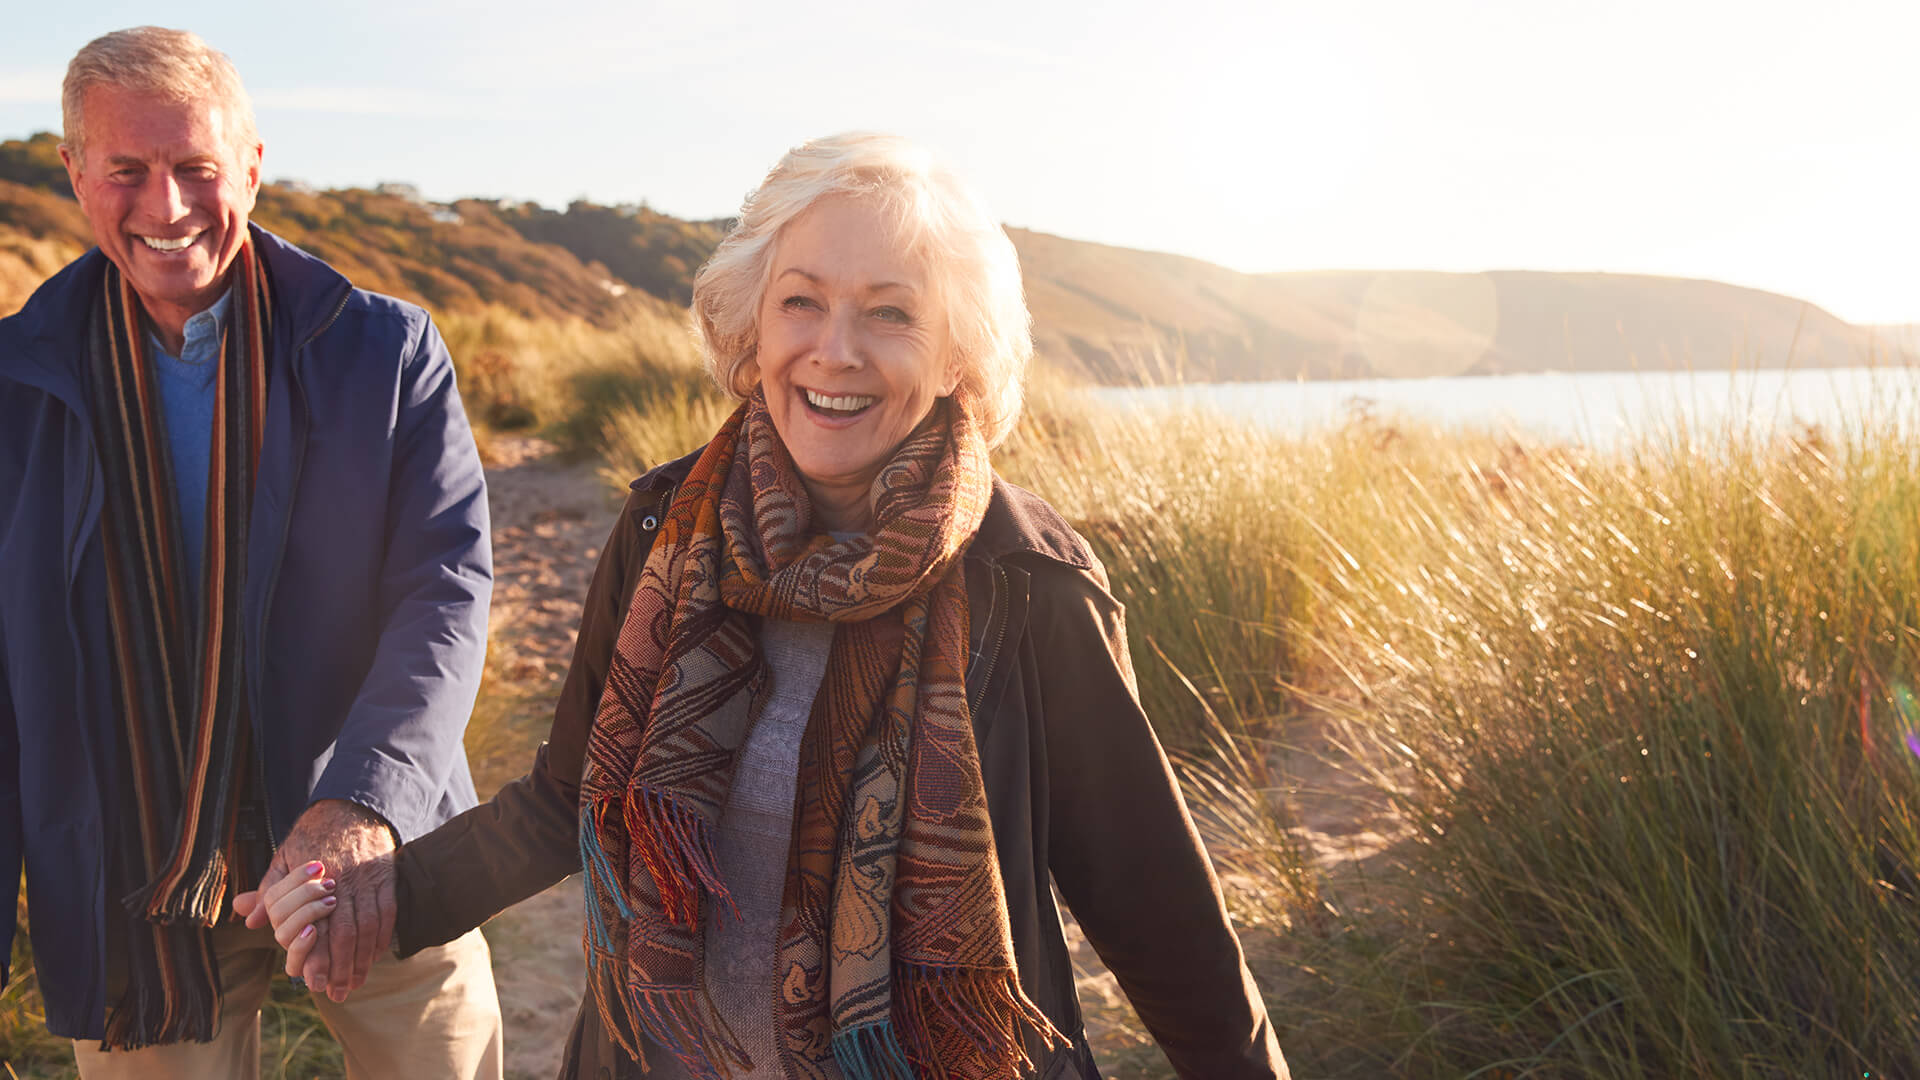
pixel 1766 144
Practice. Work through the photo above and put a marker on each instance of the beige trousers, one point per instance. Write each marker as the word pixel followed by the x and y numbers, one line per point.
pixel 431 1015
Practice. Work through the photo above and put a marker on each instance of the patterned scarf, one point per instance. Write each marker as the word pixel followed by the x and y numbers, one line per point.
pixel 177 669
pixel 895 957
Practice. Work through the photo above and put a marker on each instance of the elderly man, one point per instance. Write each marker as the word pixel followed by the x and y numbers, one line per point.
pixel 244 572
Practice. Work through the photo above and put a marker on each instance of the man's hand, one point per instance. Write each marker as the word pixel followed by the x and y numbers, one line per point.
pixel 349 841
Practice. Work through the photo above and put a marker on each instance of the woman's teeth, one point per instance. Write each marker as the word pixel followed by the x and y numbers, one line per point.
pixel 840 403
pixel 177 244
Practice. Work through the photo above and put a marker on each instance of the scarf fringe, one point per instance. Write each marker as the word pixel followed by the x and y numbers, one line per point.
pixel 871 1052
pixel 601 881
pixel 682 1021
pixel 198 899
pixel 149 1013
pixel 678 850
pixel 988 1008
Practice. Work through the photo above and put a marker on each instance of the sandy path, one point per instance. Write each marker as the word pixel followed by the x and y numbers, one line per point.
pixel 549 520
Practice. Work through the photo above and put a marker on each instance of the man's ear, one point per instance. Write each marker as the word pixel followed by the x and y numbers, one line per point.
pixel 250 160
pixel 72 161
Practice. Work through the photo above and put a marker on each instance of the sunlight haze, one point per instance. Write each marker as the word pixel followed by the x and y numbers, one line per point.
pixel 1768 145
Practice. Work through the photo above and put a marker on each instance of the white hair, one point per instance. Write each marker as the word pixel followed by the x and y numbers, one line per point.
pixel 172 64
pixel 969 258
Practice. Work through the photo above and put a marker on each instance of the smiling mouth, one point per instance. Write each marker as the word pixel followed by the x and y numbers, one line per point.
pixel 839 405
pixel 169 244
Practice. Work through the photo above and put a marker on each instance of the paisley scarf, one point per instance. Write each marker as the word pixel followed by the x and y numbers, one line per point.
pixel 895 955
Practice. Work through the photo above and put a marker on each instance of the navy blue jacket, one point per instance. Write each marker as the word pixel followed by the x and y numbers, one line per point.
pixel 369 571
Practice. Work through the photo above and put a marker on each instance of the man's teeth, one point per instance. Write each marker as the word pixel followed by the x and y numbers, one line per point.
pixel 842 403
pixel 178 244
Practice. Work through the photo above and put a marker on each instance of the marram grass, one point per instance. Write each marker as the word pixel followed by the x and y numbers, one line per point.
pixel 1646 712
pixel 1649 713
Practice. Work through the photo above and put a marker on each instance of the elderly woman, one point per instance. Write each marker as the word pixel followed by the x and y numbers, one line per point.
pixel 844 702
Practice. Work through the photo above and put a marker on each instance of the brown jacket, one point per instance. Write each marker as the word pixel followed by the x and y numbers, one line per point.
pixel 1077 788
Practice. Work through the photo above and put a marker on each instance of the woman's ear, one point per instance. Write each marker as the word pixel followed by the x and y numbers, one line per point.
pixel 952 381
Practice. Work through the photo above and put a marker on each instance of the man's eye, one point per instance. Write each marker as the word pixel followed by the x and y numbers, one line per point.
pixel 202 173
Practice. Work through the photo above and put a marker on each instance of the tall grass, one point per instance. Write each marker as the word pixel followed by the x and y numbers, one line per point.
pixel 1649 713
pixel 567 381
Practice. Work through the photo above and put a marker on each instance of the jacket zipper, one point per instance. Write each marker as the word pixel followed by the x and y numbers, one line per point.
pixel 273 582
pixel 997 627
pixel 73 538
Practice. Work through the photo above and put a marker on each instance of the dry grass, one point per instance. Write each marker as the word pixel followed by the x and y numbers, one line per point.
pixel 1646 712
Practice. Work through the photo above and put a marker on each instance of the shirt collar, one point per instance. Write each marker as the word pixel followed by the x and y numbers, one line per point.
pixel 211 322
pixel 202 331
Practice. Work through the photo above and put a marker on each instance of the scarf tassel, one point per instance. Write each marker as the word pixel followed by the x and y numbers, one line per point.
pixel 198 899
pixel 675 1020
pixel 678 851
pixel 601 881
pixel 149 1014
pixel 987 1007
pixel 871 1051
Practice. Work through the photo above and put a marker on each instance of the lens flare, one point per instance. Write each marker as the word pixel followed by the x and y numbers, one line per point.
pixel 1909 709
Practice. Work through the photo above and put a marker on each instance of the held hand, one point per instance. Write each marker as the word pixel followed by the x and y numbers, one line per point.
pixel 293 904
pixel 349 841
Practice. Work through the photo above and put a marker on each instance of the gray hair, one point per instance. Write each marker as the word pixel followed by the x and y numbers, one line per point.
pixel 974 268
pixel 173 64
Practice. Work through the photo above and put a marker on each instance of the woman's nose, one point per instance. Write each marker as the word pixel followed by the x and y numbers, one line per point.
pixel 839 344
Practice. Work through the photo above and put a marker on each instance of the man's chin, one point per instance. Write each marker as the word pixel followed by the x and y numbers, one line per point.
pixel 178 283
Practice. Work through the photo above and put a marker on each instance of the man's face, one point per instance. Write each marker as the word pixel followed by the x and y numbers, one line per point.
pixel 167 193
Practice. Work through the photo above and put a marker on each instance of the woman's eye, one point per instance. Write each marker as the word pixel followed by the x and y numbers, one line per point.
pixel 892 314
pixel 797 302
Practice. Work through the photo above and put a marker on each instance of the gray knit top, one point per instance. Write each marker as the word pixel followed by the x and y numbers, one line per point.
pixel 751 844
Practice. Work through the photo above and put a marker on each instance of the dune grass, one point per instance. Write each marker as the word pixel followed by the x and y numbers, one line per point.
pixel 1649 714
pixel 1646 711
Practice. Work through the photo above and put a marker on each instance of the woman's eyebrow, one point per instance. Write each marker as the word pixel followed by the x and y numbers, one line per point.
pixel 878 286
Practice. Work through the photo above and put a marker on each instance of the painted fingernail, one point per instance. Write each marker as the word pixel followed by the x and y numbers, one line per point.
pixel 313 868
pixel 328 902
pixel 327 884
pixel 306 931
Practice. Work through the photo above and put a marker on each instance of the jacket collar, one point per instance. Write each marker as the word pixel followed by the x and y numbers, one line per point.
pixel 307 295
pixel 1017 521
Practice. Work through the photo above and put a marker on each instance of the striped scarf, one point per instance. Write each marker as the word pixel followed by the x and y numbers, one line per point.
pixel 176 657
pixel 895 956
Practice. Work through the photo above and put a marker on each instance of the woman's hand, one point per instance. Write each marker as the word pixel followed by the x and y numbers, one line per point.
pixel 293 904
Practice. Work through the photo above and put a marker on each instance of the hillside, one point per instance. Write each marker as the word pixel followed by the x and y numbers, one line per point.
pixel 1111 314
pixel 1117 314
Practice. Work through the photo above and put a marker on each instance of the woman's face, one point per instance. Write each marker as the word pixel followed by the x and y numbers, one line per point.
pixel 853 351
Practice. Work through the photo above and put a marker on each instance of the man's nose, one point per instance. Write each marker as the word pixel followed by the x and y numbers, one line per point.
pixel 162 198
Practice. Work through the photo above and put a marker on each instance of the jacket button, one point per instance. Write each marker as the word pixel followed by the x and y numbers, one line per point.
pixel 606 1073
pixel 649 523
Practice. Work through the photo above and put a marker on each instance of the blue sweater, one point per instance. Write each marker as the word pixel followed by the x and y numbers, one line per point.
pixel 186 400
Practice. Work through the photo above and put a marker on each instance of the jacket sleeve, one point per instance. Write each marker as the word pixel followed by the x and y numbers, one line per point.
pixel 1124 851
pixel 526 837
pixel 402 737
pixel 10 839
